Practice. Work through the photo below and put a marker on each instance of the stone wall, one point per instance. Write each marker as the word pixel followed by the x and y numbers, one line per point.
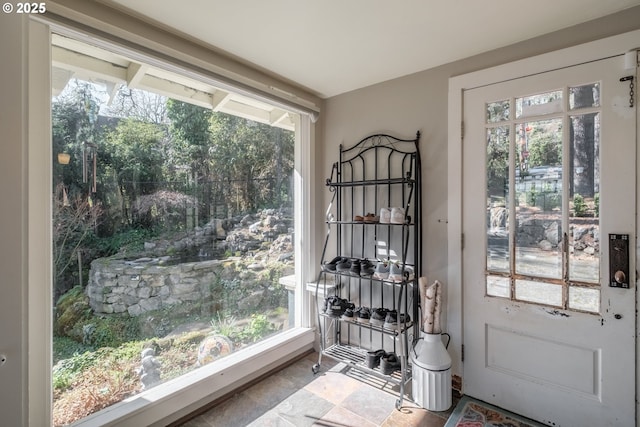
pixel 262 247
pixel 146 284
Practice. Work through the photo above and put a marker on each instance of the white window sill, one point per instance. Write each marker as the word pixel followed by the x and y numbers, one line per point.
pixel 177 398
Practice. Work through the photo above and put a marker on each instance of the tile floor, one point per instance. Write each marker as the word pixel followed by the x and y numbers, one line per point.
pixel 335 397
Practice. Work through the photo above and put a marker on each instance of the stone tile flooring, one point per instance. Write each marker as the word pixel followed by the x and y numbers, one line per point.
pixel 335 397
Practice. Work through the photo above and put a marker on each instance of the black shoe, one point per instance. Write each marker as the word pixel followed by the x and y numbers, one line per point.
pixel 348 315
pixel 366 268
pixel 389 363
pixel 373 358
pixel 403 319
pixel 343 266
pixel 335 306
pixel 363 315
pixel 355 268
pixel 331 265
pixel 391 321
pixel 378 315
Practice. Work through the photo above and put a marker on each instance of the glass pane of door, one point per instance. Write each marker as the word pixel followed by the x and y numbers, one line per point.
pixel 584 218
pixel 538 198
pixel 497 199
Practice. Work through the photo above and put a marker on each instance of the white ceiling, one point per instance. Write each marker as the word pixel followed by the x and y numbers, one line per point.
pixel 335 46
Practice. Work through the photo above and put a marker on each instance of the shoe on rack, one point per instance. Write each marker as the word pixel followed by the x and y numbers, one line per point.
pixel 328 302
pixel 371 218
pixel 385 215
pixel 358 218
pixel 391 321
pixel 343 266
pixel 366 268
pixel 397 273
pixel 403 319
pixel 389 363
pixel 354 270
pixel 336 306
pixel 373 358
pixel 331 265
pixel 378 316
pixel 397 216
pixel 382 270
pixel 348 314
pixel 363 315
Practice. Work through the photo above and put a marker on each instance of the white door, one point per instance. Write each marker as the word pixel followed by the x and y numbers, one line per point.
pixel 548 175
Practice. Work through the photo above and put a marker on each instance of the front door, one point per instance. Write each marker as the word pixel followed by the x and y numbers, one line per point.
pixel 548 181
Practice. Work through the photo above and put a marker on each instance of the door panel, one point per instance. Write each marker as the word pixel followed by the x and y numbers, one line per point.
pixel 544 334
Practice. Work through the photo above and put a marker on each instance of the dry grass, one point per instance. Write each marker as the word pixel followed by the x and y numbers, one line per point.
pixel 98 387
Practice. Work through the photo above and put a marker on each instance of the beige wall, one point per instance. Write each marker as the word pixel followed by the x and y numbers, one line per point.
pixel 419 102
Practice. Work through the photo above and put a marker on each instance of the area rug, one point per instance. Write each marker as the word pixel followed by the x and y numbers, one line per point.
pixel 470 412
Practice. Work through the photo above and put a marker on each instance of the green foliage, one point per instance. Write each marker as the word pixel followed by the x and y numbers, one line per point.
pixel 596 201
pixel 497 161
pixel 579 206
pixel 532 196
pixel 112 331
pixel 545 147
pixel 130 239
pixel 72 311
pixel 225 325
pixel 66 370
pixel 65 348
pixel 134 154
pixel 255 159
pixel 258 327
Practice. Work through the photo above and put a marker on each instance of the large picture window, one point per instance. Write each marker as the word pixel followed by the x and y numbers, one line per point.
pixel 173 225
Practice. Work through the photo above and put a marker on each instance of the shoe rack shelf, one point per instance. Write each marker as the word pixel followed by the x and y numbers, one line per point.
pixel 371 257
pixel 357 358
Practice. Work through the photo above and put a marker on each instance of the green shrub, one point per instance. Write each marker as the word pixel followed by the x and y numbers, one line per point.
pixel 72 311
pixel 66 370
pixel 65 348
pixel 579 206
pixel 258 327
pixel 131 239
pixel 112 331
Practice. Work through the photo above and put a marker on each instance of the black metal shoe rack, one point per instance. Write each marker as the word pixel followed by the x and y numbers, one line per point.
pixel 380 171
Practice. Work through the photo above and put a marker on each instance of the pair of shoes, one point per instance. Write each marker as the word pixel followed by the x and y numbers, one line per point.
pixel 394 321
pixel 382 270
pixel 378 315
pixel 336 306
pixel 331 265
pixel 373 358
pixel 359 267
pixel 371 218
pixel 354 270
pixel 397 273
pixel 362 315
pixel 343 265
pixel 366 268
pixel 389 363
pixel 393 216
